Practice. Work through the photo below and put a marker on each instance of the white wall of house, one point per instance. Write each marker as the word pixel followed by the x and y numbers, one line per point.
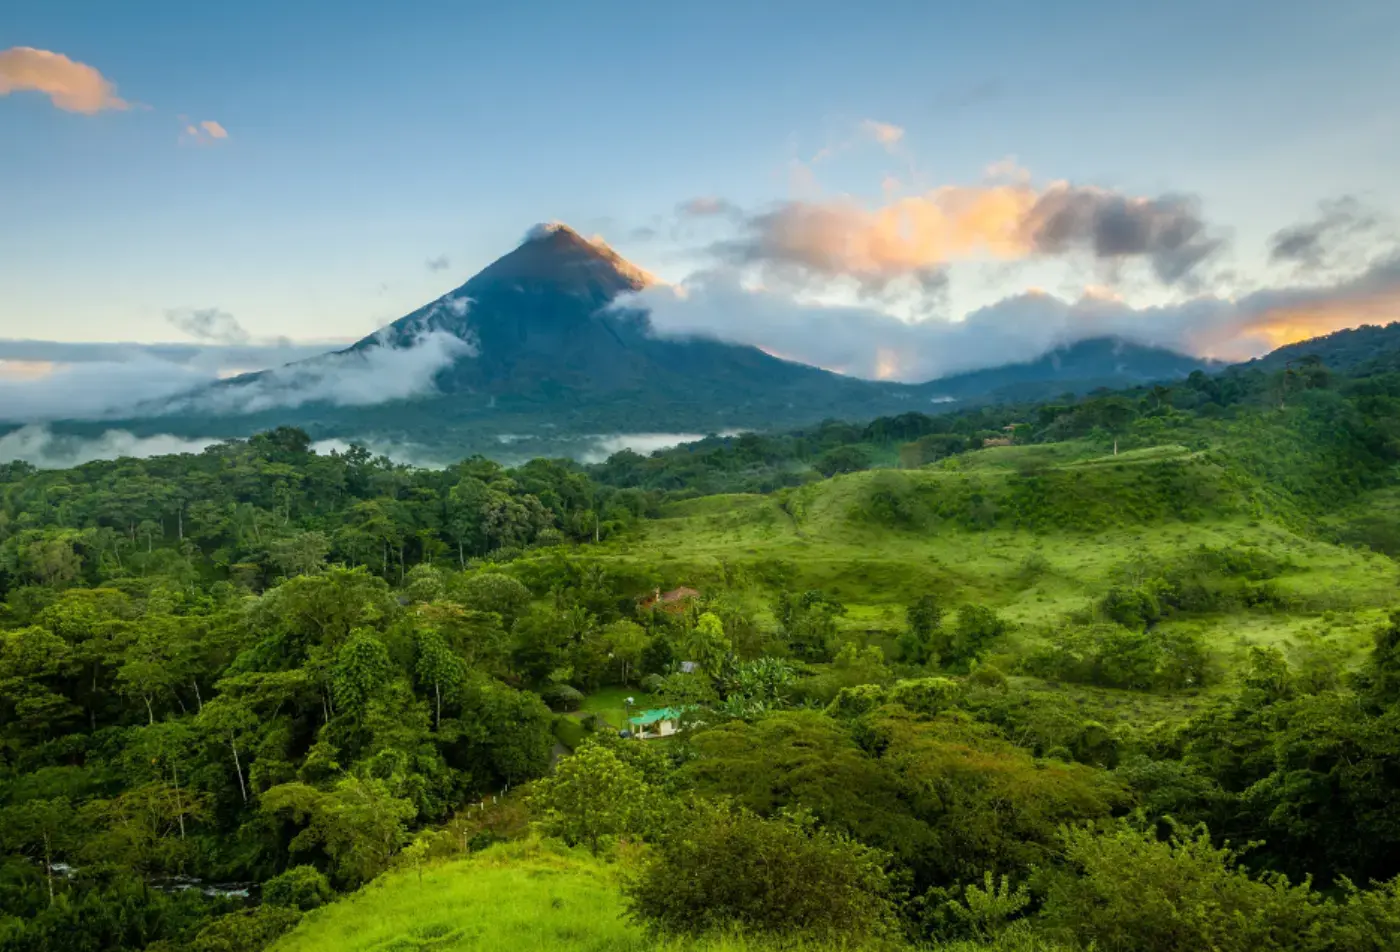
pixel 658 729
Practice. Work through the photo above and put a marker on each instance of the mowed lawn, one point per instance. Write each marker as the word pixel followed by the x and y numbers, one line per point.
pixel 610 704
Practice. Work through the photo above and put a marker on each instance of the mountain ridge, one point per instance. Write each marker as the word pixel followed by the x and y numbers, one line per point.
pixel 543 343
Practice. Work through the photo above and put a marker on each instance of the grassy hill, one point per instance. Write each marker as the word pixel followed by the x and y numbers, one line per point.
pixel 519 896
pixel 1040 533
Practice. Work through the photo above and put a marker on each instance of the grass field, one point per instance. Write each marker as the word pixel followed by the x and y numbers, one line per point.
pixel 521 897
pixel 1037 573
pixel 609 703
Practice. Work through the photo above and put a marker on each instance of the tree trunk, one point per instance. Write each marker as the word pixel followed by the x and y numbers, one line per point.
pixel 179 811
pixel 150 713
pixel 197 699
pixel 48 865
pixel 461 556
pixel 437 689
pixel 238 768
pixel 180 523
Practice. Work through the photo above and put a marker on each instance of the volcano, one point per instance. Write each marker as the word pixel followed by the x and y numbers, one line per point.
pixel 545 350
pixel 542 321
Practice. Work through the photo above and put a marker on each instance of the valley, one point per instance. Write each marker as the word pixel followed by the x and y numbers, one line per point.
pixel 932 666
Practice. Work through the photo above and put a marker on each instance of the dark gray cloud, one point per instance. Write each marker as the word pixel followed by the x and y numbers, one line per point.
pixel 208 324
pixel 1168 231
pixel 1314 245
pixel 440 263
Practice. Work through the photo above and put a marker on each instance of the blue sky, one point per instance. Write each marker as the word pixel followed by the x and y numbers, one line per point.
pixel 365 139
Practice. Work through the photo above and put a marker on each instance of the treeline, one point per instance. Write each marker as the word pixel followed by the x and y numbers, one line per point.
pixel 1314 435
pixel 269 507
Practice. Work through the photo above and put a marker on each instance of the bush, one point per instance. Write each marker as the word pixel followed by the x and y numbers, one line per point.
pixel 891 501
pixel 1110 656
pixel 852 702
pixel 926 696
pixel 248 930
pixel 301 887
pixel 562 697
pixel 1125 889
pixel 569 732
pixel 725 868
pixel 976 627
pixel 842 459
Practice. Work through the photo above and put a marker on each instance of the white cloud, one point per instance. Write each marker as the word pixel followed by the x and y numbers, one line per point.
pixel 92 389
pixel 55 380
pixel 885 133
pixel 866 342
pixel 355 377
pixel 48 450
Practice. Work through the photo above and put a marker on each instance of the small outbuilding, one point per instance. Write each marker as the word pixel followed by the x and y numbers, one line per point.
pixel 673 601
pixel 661 722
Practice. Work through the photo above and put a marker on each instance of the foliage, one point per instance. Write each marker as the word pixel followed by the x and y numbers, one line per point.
pixel 223 665
pixel 592 797
pixel 301 887
pixel 725 867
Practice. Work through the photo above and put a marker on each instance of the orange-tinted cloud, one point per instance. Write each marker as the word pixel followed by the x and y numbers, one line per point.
pixel 1290 323
pixel 886 133
pixel 907 237
pixel 918 235
pixel 204 132
pixel 70 85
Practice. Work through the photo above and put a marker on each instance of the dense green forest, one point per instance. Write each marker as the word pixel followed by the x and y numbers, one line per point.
pixel 1117 672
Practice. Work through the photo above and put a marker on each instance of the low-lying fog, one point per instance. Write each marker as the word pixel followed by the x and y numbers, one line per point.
pixel 41 447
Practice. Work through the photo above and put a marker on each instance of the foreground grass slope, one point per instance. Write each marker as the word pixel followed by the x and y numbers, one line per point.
pixel 521 897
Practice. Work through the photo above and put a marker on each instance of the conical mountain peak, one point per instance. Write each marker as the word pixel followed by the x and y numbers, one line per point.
pixel 556 257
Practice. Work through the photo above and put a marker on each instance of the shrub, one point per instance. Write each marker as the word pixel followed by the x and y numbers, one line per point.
pixel 562 697
pixel 852 702
pixel 891 501
pixel 725 868
pixel 926 696
pixel 975 628
pixel 842 459
pixel 248 930
pixel 301 887
pixel 1125 889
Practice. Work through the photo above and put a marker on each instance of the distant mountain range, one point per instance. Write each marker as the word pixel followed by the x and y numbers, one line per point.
pixel 533 357
pixel 1355 349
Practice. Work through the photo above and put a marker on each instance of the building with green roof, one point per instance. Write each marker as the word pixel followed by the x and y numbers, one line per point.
pixel 659 722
